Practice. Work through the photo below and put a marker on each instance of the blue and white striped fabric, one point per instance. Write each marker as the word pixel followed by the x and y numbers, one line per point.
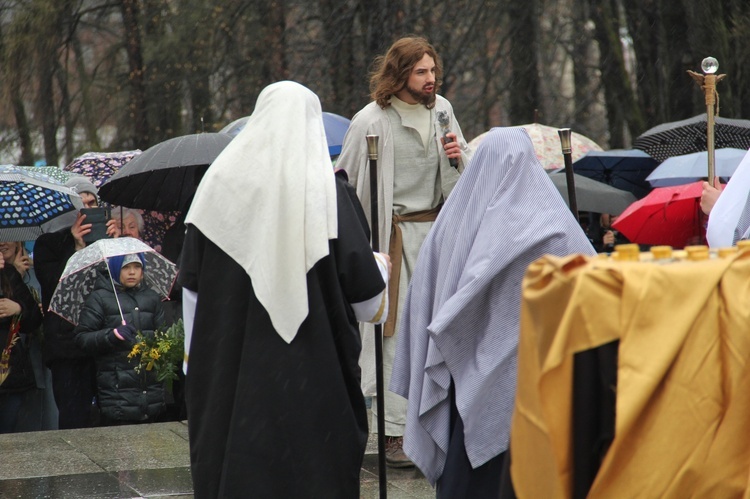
pixel 729 219
pixel 462 312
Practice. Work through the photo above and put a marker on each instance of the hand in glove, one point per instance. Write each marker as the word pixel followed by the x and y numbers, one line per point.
pixel 126 332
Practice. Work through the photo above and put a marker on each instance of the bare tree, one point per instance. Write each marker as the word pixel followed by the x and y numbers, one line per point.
pixel 138 102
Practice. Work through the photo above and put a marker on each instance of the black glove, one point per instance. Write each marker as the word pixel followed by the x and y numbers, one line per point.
pixel 127 331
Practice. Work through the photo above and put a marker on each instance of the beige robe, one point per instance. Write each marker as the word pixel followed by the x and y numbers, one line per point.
pixel 372 120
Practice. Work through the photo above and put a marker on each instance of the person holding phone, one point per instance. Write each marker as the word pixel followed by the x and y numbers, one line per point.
pixel 73 370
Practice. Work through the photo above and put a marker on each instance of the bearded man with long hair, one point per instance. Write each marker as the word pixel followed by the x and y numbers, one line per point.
pixel 415 178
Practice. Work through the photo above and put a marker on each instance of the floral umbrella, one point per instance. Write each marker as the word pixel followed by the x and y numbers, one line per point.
pixel 99 166
pixel 53 172
pixel 81 271
pixel 547 145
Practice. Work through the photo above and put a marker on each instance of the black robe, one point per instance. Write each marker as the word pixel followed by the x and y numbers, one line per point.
pixel 267 418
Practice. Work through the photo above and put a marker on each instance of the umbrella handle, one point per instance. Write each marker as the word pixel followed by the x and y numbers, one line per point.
pixel 114 290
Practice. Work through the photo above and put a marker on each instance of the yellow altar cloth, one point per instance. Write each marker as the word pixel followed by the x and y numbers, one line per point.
pixel 682 415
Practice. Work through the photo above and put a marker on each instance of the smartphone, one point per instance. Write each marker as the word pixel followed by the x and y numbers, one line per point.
pixel 98 218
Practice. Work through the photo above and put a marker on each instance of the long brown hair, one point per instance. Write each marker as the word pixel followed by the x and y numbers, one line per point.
pixel 5 285
pixel 391 71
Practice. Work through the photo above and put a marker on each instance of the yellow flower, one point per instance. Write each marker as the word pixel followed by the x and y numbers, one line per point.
pixel 154 353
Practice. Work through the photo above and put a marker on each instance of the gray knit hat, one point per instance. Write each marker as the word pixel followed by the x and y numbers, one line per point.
pixel 82 184
pixel 132 258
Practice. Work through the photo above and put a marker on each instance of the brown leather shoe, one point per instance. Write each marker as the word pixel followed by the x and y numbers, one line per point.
pixel 394 453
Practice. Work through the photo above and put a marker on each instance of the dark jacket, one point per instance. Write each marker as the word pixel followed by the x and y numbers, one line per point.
pixel 21 375
pixel 123 393
pixel 51 252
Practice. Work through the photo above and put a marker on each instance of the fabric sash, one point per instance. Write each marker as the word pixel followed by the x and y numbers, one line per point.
pixel 395 250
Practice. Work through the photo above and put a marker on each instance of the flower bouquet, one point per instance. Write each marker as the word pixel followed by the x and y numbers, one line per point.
pixel 13 336
pixel 161 352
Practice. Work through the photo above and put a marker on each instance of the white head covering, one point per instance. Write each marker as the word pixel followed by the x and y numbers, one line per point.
pixel 269 200
pixel 461 319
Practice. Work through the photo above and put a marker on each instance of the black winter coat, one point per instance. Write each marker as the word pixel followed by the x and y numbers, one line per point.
pixel 21 375
pixel 123 393
pixel 51 252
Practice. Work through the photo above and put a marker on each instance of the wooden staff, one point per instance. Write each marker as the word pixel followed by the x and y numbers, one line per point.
pixel 372 154
pixel 564 134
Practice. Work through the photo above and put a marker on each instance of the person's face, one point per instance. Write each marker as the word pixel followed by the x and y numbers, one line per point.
pixel 89 200
pixel 131 274
pixel 420 87
pixel 130 227
pixel 606 220
pixel 8 250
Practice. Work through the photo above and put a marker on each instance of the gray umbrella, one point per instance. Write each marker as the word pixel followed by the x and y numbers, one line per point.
pixel 592 195
pixel 164 177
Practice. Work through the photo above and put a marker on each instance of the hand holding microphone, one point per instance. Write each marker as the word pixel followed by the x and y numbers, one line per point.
pixel 444 122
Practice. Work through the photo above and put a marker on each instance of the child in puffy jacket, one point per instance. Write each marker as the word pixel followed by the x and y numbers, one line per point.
pixel 124 395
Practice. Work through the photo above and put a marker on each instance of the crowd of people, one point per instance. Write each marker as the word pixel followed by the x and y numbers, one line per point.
pixel 66 375
pixel 280 307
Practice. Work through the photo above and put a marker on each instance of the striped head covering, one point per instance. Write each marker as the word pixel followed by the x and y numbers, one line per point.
pixel 461 318
pixel 729 220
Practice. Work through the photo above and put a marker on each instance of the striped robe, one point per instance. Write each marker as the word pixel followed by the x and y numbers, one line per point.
pixel 460 323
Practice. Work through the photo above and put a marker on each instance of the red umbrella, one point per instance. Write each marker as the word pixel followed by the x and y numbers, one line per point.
pixel 667 215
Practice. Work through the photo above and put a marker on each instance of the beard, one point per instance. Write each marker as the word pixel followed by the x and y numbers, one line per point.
pixel 421 96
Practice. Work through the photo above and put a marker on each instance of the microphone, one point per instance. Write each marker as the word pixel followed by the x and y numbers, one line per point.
pixel 444 122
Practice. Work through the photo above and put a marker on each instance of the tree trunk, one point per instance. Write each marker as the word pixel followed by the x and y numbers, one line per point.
pixel 11 58
pixel 46 104
pixel 622 109
pixel 88 116
pixel 137 106
pixel 338 44
pixel 524 85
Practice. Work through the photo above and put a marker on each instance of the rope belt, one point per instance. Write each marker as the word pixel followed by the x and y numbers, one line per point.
pixel 395 251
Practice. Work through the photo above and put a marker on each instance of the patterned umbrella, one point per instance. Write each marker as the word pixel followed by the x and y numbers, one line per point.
pixel 684 137
pixel 547 145
pixel 31 204
pixel 81 271
pixel 54 172
pixel 99 166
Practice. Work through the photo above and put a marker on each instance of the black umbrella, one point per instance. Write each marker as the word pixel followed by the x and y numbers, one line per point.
pixel 592 195
pixel 687 136
pixel 165 176
pixel 624 169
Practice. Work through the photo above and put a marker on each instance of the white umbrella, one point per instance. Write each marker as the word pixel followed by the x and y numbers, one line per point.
pixel 80 273
pixel 689 168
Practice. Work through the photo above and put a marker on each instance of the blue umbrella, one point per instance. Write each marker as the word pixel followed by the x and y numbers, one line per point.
pixel 688 168
pixel 32 203
pixel 335 126
pixel 624 169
